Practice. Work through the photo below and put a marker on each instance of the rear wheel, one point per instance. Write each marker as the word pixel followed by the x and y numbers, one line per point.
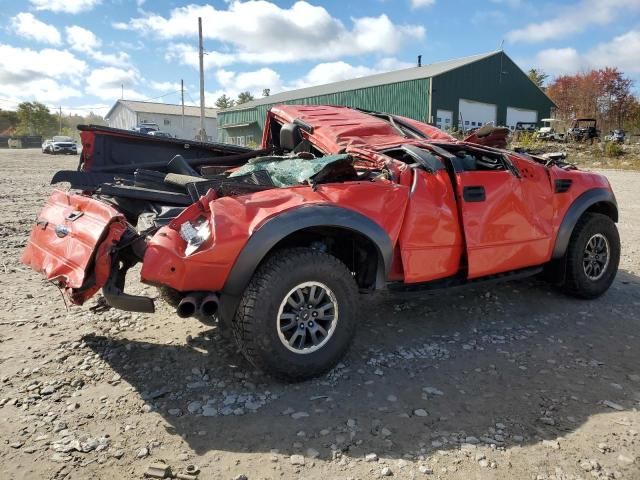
pixel 593 256
pixel 298 315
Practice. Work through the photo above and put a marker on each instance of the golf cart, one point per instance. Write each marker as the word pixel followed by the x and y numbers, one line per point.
pixel 549 132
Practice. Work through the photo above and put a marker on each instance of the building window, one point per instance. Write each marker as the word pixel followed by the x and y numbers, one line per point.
pixel 438 120
pixel 250 140
pixel 241 141
pixel 447 120
pixel 232 140
pixel 466 122
pixel 167 122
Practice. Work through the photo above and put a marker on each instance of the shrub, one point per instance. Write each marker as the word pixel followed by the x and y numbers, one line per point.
pixel 612 149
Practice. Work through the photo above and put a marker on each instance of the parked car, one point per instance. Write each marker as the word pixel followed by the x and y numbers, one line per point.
pixel 279 245
pixel 158 133
pixel 46 145
pixel 616 136
pixel 146 127
pixel 583 130
pixel 61 145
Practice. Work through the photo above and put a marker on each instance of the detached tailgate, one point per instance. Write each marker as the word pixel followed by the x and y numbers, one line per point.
pixel 71 243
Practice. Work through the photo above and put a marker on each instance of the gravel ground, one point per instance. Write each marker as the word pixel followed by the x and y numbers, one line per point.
pixel 509 381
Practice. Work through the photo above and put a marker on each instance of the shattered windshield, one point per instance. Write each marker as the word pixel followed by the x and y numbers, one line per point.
pixel 287 172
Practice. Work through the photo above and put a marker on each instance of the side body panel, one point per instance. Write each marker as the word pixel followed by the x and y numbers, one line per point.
pixel 235 219
pixel 503 232
pixel 431 242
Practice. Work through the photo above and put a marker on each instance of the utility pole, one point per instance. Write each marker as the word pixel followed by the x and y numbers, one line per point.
pixel 202 133
pixel 60 126
pixel 122 90
pixel 182 95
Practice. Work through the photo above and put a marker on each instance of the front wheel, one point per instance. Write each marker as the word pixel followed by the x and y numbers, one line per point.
pixel 593 256
pixel 298 315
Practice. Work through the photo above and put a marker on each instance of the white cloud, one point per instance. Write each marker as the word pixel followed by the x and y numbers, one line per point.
pixel 332 72
pixel 28 26
pixel 164 86
pixel 107 83
pixel 26 65
pixel 82 40
pixel 622 51
pixel 231 83
pixel 65 6
pixel 337 71
pixel 559 60
pixel 46 74
pixel 422 3
pixel 254 82
pixel 258 31
pixel 43 89
pixel 574 19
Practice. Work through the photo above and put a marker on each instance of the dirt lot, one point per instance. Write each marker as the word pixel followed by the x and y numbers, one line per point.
pixel 512 381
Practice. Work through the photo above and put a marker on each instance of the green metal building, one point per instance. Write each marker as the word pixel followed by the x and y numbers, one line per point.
pixel 456 94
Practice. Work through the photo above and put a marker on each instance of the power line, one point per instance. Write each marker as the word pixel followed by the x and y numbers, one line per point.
pixel 161 96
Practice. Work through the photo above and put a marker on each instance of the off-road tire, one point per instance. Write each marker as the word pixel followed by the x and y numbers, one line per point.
pixel 576 281
pixel 255 325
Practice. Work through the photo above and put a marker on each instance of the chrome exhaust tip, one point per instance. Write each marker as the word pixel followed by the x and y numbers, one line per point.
pixel 187 307
pixel 209 305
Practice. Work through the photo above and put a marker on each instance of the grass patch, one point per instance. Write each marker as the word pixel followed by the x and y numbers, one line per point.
pixel 612 150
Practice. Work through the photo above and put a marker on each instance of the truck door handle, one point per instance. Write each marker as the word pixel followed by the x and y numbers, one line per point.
pixel 474 194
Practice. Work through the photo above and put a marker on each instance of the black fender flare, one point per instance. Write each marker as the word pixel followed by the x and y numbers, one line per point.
pixel 274 230
pixel 270 233
pixel 575 211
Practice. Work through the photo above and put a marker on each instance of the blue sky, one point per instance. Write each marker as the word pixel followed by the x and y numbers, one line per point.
pixel 78 53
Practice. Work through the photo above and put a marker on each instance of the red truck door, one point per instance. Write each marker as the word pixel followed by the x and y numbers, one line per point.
pixel 506 212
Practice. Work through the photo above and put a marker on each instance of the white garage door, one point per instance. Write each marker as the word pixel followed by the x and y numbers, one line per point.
pixel 444 119
pixel 475 114
pixel 515 115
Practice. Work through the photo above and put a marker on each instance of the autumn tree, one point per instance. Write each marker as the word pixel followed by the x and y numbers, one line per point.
pixel 223 102
pixel 244 97
pixel 603 94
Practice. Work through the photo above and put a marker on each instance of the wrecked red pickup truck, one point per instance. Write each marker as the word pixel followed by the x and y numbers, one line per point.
pixel 276 245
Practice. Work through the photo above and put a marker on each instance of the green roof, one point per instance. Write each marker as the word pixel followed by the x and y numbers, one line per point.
pixel 413 73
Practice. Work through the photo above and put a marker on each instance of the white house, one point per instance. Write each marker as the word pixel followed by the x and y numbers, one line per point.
pixel 127 114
